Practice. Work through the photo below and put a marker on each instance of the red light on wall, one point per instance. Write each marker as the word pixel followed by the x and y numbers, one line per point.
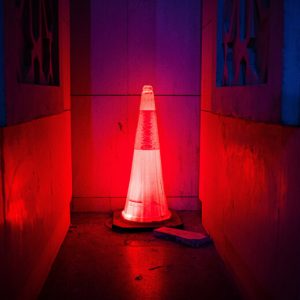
pixel 146 200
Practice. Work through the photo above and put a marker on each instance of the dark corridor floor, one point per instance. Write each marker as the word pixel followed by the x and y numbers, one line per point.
pixel 96 263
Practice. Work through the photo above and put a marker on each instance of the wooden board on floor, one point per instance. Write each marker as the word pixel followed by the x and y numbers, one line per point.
pixel 189 238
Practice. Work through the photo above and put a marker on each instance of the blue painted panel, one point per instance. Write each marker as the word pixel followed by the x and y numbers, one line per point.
pixel 291 64
pixel 220 56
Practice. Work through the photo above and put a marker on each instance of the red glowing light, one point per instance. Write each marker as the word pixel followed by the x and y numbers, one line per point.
pixel 146 200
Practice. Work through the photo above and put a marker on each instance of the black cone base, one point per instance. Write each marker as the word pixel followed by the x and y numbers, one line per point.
pixel 120 224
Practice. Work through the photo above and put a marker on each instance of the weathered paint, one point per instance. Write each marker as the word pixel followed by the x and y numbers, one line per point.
pixel 38 193
pixel 35 165
pixel 259 102
pixel 249 172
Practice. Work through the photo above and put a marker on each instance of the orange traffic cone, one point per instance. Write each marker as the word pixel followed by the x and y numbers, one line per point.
pixel 146 200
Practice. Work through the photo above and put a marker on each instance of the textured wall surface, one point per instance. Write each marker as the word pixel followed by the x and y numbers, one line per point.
pixel 249 174
pixel 37 163
pixel 35 146
pixel 249 190
pixel 117 47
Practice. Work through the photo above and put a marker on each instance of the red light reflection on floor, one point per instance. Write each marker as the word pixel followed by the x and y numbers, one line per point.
pixel 147 270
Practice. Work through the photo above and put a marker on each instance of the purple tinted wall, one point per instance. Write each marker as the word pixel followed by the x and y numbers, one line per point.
pixel 117 47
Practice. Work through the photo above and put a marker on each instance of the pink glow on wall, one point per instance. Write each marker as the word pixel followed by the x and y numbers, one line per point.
pixel 16 213
pixel 146 200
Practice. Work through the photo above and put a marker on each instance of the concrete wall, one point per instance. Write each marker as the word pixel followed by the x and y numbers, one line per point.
pixel 249 192
pixel 35 163
pixel 249 174
pixel 117 47
pixel 37 199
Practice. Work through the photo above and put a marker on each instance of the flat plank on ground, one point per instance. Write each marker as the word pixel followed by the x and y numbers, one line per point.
pixel 189 238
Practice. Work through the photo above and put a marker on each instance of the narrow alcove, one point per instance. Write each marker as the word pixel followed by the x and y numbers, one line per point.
pixel 225 74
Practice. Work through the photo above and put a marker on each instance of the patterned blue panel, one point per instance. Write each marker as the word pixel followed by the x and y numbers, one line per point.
pixel 242 42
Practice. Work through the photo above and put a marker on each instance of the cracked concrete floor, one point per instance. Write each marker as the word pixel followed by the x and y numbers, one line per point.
pixel 97 263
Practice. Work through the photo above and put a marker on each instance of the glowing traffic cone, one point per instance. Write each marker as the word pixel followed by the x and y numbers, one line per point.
pixel 146 200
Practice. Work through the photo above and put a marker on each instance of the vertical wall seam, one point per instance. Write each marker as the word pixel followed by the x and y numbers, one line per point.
pixel 2 171
pixel 2 87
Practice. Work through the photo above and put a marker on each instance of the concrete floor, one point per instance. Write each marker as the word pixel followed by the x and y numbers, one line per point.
pixel 96 263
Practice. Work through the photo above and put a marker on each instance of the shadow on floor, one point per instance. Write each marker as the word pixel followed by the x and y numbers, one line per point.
pixel 97 263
